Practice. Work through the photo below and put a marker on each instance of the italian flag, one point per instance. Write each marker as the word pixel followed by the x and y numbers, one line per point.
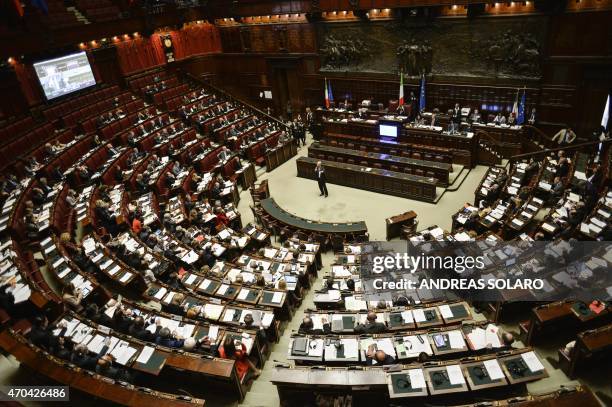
pixel 401 93
pixel 326 95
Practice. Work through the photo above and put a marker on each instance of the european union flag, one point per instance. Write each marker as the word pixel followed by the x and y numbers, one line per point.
pixel 520 119
pixel 42 5
pixel 422 95
pixel 329 91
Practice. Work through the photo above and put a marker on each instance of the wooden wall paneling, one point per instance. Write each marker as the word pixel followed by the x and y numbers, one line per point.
pixel 105 59
pixel 12 102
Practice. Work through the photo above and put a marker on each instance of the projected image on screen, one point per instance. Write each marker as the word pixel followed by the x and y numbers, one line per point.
pixel 61 76
pixel 387 130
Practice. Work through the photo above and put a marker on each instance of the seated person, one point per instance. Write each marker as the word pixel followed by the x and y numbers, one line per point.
pixel 245 368
pixel 165 338
pixel 80 357
pixel 371 326
pixel 307 327
pixel 41 334
pixel 72 297
pixel 475 116
pixel 498 119
pixel 378 357
pixel 137 330
pixel 106 368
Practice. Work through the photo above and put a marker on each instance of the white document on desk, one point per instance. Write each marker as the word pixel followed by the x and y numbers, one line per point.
pixel 493 369
pixel 446 312
pixel 417 378
pixel 532 361
pixel 243 294
pixel 386 345
pixel 419 315
pixel 455 339
pixel 491 336
pixel 351 348
pixel 145 355
pixel 407 317
pixel 478 338
pixel 213 332
pixel 266 320
pixel 455 376
pixel 277 297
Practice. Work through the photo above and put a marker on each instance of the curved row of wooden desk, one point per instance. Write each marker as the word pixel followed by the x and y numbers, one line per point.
pixel 270 206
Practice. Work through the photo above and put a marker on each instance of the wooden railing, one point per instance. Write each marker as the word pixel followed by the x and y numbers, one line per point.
pixel 542 138
pixel 586 147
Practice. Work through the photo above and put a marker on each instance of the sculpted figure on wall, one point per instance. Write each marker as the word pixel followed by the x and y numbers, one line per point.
pixel 513 53
pixel 415 59
pixel 342 53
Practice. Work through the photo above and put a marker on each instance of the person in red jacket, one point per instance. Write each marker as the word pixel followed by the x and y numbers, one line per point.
pixel 136 225
pixel 222 219
pixel 245 368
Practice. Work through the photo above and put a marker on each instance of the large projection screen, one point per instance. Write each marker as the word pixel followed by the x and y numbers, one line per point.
pixel 64 75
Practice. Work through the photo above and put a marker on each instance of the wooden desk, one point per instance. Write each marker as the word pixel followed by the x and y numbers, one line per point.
pixel 438 170
pixel 558 313
pixel 464 149
pixel 95 385
pixel 517 371
pixel 279 155
pixel 270 206
pixel 588 344
pixel 376 180
pixel 397 222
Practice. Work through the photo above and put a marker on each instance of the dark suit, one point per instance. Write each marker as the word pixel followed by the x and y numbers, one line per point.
pixel 142 334
pixel 320 176
pixel 371 328
pixel 311 331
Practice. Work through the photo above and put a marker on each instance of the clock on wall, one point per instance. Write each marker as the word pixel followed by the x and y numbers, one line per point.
pixel 168 47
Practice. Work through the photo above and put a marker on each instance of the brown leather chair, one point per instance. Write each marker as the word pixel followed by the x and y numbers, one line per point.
pixel 395 168
pixel 350 161
pixel 378 165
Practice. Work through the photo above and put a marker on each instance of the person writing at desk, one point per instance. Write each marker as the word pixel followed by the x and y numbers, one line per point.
pixel 378 357
pixel 371 326
pixel 320 176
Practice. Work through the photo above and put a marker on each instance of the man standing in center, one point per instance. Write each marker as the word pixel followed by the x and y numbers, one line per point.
pixel 320 175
